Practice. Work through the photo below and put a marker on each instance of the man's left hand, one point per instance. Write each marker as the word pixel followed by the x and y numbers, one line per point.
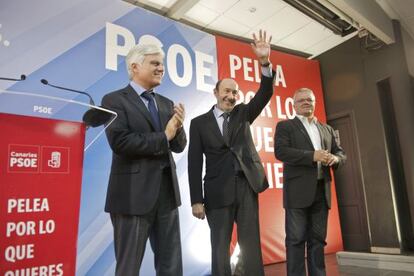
pixel 261 47
pixel 179 114
pixel 331 160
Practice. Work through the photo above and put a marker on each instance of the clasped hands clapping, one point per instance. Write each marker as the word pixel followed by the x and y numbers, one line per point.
pixel 326 158
pixel 175 122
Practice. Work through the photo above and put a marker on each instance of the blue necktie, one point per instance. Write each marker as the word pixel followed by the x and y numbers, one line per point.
pixel 149 96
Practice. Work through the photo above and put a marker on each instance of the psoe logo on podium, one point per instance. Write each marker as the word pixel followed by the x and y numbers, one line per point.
pixel 23 158
pixel 55 159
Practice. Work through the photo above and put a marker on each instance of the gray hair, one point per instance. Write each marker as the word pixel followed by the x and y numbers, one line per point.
pixel 303 90
pixel 137 55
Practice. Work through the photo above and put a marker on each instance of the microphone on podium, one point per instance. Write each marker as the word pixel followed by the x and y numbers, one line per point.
pixel 45 82
pixel 93 117
pixel 22 78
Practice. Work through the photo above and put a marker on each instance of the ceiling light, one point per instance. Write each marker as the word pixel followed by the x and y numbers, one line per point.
pixel 323 16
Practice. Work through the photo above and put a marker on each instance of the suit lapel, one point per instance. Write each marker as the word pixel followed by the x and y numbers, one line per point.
pixel 232 123
pixel 133 97
pixel 321 130
pixel 302 129
pixel 212 124
pixel 163 109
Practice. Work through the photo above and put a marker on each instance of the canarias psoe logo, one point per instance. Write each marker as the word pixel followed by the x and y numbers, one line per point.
pixel 38 159
pixel 24 158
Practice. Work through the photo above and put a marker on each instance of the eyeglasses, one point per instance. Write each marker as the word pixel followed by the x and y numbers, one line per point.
pixel 305 100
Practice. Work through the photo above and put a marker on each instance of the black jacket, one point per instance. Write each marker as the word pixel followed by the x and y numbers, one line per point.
pixel 294 148
pixel 206 139
pixel 139 153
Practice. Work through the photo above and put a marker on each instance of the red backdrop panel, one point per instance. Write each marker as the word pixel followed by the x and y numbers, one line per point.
pixel 40 180
pixel 236 60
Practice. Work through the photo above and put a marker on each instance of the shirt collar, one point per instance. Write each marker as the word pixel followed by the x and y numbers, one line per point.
pixel 137 88
pixel 217 111
pixel 304 119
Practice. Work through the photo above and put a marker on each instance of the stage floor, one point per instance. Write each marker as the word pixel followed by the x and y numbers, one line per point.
pixel 332 269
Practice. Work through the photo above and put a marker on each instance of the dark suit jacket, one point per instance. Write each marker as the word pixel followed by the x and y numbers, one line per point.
pixel 206 139
pixel 139 153
pixel 294 148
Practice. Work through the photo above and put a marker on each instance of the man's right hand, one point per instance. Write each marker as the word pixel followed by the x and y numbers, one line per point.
pixel 198 210
pixel 175 122
pixel 321 156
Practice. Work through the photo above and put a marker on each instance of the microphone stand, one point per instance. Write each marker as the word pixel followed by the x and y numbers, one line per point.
pixel 93 117
pixel 22 78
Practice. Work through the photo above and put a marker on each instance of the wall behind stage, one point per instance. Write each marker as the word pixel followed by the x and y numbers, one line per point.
pixel 81 44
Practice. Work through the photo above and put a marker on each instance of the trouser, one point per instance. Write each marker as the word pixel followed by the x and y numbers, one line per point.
pixel 307 226
pixel 243 211
pixel 160 225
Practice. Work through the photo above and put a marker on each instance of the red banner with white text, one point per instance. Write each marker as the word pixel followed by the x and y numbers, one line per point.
pixel 40 179
pixel 236 60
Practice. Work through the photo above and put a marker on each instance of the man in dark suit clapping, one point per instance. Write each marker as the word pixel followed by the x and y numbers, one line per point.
pixel 143 193
pixel 234 172
pixel 308 150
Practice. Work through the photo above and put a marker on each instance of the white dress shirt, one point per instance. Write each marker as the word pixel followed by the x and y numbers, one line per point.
pixel 315 137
